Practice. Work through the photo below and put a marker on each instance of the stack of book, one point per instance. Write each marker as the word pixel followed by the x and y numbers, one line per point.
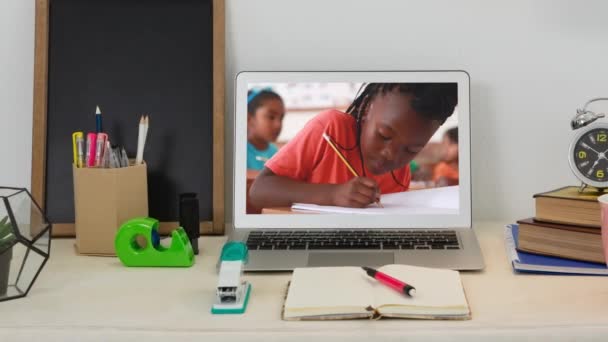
pixel 566 225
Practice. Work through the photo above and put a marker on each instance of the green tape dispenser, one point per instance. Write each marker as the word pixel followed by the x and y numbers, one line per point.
pixel 153 254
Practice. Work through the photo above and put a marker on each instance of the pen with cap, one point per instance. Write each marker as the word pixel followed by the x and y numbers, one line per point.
pixel 107 152
pixel 341 156
pixel 114 157
pixel 124 160
pixel 391 282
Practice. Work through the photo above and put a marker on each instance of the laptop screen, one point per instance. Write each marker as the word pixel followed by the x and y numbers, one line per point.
pixel 352 150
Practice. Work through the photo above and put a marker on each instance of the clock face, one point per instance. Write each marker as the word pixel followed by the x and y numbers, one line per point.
pixel 590 153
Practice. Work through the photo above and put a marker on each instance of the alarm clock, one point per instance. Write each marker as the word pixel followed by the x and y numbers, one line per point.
pixel 588 153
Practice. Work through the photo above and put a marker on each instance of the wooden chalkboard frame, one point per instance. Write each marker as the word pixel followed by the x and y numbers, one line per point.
pixel 39 151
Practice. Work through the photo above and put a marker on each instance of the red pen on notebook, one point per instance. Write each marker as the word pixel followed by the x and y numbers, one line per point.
pixel 391 282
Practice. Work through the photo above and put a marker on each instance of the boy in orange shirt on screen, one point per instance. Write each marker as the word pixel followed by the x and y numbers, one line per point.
pixel 380 133
pixel 446 172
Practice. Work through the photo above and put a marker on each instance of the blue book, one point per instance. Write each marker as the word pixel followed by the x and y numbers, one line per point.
pixel 535 263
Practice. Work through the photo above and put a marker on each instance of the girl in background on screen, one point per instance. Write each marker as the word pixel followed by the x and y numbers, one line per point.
pixel 380 133
pixel 446 171
pixel 265 112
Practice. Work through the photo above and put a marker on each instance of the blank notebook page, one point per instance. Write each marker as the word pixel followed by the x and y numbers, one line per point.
pixel 328 290
pixel 438 292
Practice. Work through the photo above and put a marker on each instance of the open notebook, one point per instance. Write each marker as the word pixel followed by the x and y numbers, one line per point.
pixel 442 200
pixel 325 293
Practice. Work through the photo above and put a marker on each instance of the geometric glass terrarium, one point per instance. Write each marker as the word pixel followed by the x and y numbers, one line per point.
pixel 25 242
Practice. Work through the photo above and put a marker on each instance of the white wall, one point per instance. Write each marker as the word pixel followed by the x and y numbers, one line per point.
pixel 532 63
pixel 16 91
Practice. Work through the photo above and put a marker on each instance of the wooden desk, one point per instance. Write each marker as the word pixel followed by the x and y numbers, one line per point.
pixel 79 298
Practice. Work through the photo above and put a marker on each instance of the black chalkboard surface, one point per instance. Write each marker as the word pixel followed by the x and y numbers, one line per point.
pixel 133 57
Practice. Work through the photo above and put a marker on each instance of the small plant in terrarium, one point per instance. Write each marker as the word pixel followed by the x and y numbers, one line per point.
pixel 24 242
pixel 7 236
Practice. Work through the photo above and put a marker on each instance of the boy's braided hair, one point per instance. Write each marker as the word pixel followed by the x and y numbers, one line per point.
pixel 434 101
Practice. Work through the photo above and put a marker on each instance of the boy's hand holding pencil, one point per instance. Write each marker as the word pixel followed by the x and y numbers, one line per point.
pixel 358 192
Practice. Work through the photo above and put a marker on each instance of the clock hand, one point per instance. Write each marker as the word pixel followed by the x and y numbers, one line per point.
pixel 591 148
pixel 593 166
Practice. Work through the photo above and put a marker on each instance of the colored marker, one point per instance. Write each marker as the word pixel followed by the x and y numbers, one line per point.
pixel 99 148
pixel 90 151
pixel 78 147
pixel 391 282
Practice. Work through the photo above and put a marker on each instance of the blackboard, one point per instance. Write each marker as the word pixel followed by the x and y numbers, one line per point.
pixel 134 57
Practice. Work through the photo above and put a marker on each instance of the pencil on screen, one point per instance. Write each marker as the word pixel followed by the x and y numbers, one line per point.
pixel 331 144
pixel 341 156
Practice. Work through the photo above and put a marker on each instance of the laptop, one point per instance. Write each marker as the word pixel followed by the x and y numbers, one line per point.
pixel 423 221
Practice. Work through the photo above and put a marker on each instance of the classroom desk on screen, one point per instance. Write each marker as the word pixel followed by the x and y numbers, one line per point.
pixel 287 210
pixel 280 211
pixel 80 298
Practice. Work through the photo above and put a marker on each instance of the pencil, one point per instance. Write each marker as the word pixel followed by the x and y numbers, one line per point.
pixel 140 140
pixel 341 156
pixel 331 144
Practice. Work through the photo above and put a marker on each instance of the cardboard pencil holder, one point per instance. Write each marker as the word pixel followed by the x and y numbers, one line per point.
pixel 103 200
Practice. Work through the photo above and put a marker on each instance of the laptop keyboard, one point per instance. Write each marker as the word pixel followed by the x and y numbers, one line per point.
pixel 352 239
